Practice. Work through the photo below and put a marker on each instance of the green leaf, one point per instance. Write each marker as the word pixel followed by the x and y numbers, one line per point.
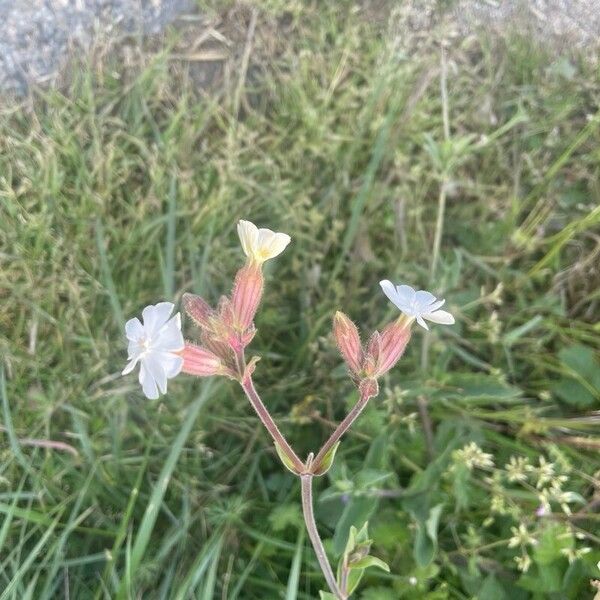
pixel 327 460
pixel 544 580
pixel 426 539
pixel 354 578
pixel 285 459
pixel 492 590
pixel 370 561
pixel 580 384
pixel 553 540
pixel 356 512
pixel 480 388
pixel 461 485
pixel 326 596
pixel 379 593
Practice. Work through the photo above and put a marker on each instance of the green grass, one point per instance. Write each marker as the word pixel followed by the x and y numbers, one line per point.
pixel 124 189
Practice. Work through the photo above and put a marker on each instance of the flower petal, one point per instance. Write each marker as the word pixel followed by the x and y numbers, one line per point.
pixel 389 289
pixel 155 316
pixel 170 338
pixel 148 384
pixel 424 299
pixel 134 350
pixel 248 234
pixel 440 316
pixel 134 329
pixel 172 364
pixel 276 244
pixel 437 304
pixel 422 323
pixel 154 367
pixel 129 366
pixel 405 294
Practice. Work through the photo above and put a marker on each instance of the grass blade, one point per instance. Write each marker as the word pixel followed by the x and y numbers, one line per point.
pixel 142 538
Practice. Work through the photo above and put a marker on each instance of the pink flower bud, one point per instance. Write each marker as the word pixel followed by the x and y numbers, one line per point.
pixel 218 347
pixel 225 318
pixel 246 296
pixel 373 353
pixel 200 361
pixel 394 339
pixel 348 341
pixel 198 310
pixel 386 348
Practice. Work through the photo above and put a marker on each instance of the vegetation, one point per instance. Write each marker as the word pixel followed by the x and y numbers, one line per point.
pixel 464 165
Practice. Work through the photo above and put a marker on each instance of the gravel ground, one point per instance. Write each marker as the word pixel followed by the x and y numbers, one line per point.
pixel 559 23
pixel 38 34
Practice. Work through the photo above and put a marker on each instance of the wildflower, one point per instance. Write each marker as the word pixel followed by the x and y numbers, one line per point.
pixel 542 510
pixel 558 481
pixel 544 498
pixel 521 537
pixel 156 345
pixel 473 456
pixel 261 244
pixel 565 498
pixel 523 562
pixel 573 554
pixel 498 505
pixel 516 469
pixel 417 305
pixel 544 472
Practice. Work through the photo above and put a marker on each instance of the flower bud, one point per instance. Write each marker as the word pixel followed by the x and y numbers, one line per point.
pixel 371 361
pixel 200 362
pixel 225 316
pixel 218 347
pixel 348 341
pixel 386 348
pixel 246 296
pixel 198 310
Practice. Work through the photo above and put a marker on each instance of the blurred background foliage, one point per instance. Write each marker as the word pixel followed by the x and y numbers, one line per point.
pixel 463 164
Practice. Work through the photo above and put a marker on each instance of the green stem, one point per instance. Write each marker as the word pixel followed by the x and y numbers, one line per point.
pixel 269 423
pixel 313 534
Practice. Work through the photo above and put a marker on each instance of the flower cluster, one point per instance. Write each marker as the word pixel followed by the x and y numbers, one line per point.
pixel 384 349
pixel 472 456
pixel 512 489
pixel 158 344
pixel 225 331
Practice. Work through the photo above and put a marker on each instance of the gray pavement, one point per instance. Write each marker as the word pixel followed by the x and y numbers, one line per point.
pixel 37 35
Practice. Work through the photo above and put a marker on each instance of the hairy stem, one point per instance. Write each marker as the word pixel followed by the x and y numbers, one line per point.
pixel 269 423
pixel 342 427
pixel 311 527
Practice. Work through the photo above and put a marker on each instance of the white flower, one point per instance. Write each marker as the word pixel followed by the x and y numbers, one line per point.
pixel 521 537
pixel 418 305
pixel 155 345
pixel 261 244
